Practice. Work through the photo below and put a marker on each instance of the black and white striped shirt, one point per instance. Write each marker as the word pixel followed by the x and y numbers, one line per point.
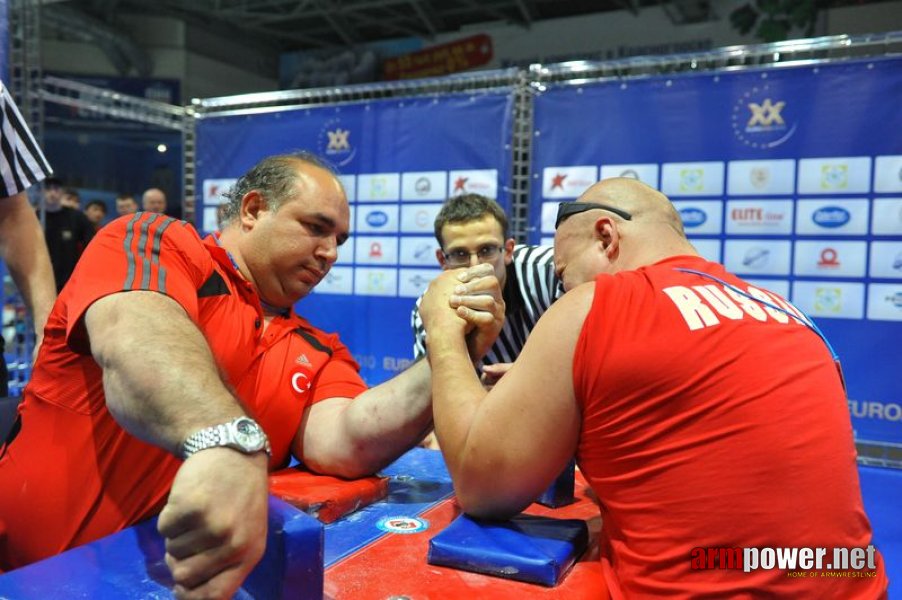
pixel 529 290
pixel 22 163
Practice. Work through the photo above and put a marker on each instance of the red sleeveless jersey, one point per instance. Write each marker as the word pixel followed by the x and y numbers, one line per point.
pixel 711 421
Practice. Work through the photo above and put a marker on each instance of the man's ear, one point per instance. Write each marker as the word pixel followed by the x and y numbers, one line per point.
pixel 440 256
pixel 607 235
pixel 509 251
pixel 252 204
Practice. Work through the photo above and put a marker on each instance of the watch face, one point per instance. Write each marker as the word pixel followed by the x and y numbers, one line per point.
pixel 248 434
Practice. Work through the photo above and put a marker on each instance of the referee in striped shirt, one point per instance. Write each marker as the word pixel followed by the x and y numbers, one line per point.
pixel 473 229
pixel 22 245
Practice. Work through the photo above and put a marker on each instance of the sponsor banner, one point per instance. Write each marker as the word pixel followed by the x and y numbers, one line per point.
pixel 837 175
pixel 832 217
pixel 832 299
pixel 349 183
pixel 646 173
pixel 425 185
pixel 885 301
pixel 376 250
pixel 482 181
pixel 761 177
pixel 346 252
pixel 886 260
pixel 413 282
pixel 759 217
pixel 419 251
pixel 460 55
pixel 692 179
pixel 778 286
pixel 339 280
pixel 887 216
pixel 567 182
pixel 375 282
pixel 214 190
pixel 419 218
pixel 710 249
pixel 757 257
pixel 888 174
pixel 830 258
pixel 700 216
pixel 378 187
pixel 377 218
pixel 546 241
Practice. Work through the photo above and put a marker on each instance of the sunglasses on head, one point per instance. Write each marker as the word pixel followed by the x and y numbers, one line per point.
pixel 566 210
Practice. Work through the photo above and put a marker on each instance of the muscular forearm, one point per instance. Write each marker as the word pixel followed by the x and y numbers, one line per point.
pixel 24 251
pixel 456 395
pixel 159 376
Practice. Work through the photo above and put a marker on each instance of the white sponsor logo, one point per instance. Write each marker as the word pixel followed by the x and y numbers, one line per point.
pixel 375 187
pixel 214 190
pixel 413 282
pixel 885 301
pixel 375 282
pixel 833 299
pixel 757 257
pixel 419 218
pixel 567 182
pixel 888 174
pixel 886 260
pixel 753 177
pixel 693 179
pixel 839 175
pixel 481 181
pixel 426 185
pixel 830 259
pixel 763 217
pixel 339 280
pixel 887 216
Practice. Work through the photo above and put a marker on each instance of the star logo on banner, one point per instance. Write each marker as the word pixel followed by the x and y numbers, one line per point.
pixel 338 139
pixel 557 182
pixel 766 113
pixel 460 184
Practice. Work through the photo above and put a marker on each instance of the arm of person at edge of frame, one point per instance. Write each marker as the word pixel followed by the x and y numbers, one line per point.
pixel 24 251
pixel 495 475
pixel 355 438
pixel 162 384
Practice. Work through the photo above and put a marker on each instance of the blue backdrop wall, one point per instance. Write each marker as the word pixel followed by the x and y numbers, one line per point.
pixel 398 160
pixel 792 177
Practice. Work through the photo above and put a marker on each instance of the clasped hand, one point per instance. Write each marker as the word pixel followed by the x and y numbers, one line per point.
pixel 465 302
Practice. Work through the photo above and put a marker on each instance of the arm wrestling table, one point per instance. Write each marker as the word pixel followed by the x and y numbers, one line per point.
pixel 378 552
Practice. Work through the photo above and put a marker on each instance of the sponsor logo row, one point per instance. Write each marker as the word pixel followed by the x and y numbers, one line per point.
pixel 822 216
pixel 832 175
pixel 419 186
pixel 374 281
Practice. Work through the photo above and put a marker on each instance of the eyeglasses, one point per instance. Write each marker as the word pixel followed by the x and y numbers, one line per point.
pixel 461 257
pixel 568 209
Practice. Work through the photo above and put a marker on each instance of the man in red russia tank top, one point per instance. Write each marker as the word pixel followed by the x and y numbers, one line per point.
pixel 706 414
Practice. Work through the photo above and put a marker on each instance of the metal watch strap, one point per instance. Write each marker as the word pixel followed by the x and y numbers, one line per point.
pixel 219 436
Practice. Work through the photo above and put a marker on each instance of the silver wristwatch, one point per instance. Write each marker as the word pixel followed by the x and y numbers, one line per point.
pixel 242 434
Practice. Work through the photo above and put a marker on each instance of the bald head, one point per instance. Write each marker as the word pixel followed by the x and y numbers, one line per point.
pixel 597 241
pixel 154 200
pixel 644 203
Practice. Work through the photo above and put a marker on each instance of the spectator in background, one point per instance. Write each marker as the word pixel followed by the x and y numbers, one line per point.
pixel 126 205
pixel 96 213
pixel 70 198
pixel 154 200
pixel 22 245
pixel 67 231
